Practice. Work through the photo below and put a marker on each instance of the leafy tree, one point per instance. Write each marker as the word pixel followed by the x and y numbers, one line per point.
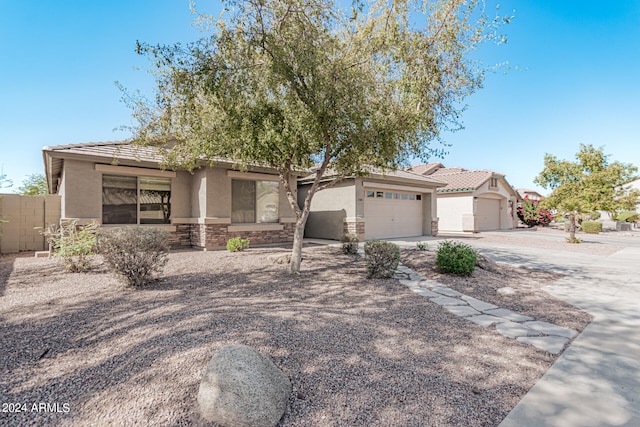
pixel 4 181
pixel 589 184
pixel 34 185
pixel 293 83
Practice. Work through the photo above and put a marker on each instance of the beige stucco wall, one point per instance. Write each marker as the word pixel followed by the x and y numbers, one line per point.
pixel 458 211
pixel 329 208
pixel 218 193
pixel 181 195
pixel 81 190
pixel 27 216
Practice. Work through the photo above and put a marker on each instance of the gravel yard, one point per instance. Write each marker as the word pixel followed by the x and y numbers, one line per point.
pixel 358 352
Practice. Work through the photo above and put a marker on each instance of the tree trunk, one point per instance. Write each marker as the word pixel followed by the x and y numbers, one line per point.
pixel 296 254
pixel 572 228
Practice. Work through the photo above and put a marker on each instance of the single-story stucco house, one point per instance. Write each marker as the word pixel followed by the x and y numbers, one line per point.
pixel 117 183
pixel 472 200
pixel 529 194
pixel 380 205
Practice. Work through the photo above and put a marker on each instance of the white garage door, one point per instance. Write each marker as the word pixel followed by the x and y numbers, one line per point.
pixel 488 214
pixel 392 214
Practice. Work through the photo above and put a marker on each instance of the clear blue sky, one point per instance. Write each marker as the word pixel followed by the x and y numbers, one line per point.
pixel 575 79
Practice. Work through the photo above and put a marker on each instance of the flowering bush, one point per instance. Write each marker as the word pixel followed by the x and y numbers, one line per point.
pixel 531 214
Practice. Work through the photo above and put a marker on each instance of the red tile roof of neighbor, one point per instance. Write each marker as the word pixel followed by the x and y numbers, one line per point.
pixel 457 179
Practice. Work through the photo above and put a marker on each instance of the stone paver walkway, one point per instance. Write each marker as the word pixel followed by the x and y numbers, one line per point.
pixel 546 336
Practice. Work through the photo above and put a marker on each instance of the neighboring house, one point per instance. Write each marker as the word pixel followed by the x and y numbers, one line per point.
pixel 472 200
pixel 394 204
pixel 635 185
pixel 117 183
pixel 530 194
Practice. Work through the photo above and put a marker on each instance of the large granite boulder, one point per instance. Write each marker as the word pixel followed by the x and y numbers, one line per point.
pixel 243 388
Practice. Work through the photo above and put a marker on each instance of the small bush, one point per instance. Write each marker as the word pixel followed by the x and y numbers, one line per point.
pixel 236 244
pixel 574 240
pixel 456 258
pixel 531 213
pixel 350 243
pixel 422 246
pixel 595 215
pixel 592 227
pixel 75 244
pixel 135 253
pixel 382 258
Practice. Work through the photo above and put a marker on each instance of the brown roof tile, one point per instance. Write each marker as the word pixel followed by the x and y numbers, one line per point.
pixel 457 179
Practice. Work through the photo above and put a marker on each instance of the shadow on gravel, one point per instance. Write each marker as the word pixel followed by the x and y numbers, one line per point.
pixel 358 351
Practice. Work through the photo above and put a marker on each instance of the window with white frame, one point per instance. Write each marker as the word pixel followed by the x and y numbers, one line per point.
pixel 254 201
pixel 136 200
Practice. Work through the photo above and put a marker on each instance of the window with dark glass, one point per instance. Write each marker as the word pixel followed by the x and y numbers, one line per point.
pixel 136 200
pixel 155 197
pixel 254 201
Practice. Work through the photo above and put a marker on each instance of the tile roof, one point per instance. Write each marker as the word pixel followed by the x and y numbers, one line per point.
pixel 399 175
pixel 111 150
pixel 426 169
pixel 463 180
pixel 457 179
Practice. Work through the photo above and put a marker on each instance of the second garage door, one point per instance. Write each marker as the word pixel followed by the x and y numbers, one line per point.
pixel 391 214
pixel 488 214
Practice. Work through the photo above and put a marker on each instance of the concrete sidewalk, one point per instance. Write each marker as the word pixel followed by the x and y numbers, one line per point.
pixel 596 381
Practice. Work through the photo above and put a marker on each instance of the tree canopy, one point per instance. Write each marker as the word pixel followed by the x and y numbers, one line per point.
pixel 5 182
pixel 291 84
pixel 590 183
pixel 34 185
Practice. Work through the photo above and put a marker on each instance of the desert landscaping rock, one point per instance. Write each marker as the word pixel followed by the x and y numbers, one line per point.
pixel 442 300
pixel 358 351
pixel 411 283
pixel 551 329
pixel 506 291
pixel 515 330
pixel 243 388
pixel 508 314
pixel 425 293
pixel 461 310
pixel 446 291
pixel 486 320
pixel 553 345
pixel 477 304
pixel 508 323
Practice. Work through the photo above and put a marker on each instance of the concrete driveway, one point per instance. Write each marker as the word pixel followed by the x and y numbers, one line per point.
pixel 596 381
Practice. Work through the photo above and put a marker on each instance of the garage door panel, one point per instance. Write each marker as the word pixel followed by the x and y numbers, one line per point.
pixel 488 214
pixel 392 217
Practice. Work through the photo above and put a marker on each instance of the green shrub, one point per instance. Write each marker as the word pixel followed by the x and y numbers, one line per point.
pixel 350 243
pixel 135 253
pixel 75 244
pixel 595 215
pixel 628 216
pixel 456 258
pixel 592 227
pixel 422 246
pixel 382 258
pixel 236 244
pixel 574 240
